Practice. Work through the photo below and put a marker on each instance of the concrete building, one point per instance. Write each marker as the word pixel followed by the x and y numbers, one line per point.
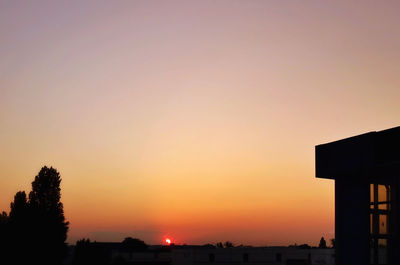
pixel 366 170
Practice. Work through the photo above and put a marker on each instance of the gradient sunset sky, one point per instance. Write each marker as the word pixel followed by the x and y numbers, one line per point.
pixel 195 120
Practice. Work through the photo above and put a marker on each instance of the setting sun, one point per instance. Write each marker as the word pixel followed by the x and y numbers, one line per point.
pixel 168 241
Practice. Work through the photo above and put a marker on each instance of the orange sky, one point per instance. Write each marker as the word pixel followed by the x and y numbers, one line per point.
pixel 192 119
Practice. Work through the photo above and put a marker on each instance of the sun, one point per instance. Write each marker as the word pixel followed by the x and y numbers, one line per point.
pixel 168 241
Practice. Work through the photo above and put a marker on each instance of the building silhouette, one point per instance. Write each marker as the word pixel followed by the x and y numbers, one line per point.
pixel 109 253
pixel 366 170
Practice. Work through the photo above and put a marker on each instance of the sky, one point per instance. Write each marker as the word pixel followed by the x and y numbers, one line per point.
pixel 194 120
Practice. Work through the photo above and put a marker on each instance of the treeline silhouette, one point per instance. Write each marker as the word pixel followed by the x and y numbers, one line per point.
pixel 100 253
pixel 322 244
pixel 227 244
pixel 35 230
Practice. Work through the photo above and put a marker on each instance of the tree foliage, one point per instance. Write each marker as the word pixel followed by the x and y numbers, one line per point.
pixel 134 244
pixel 227 244
pixel 333 243
pixel 36 227
pixel 322 243
pixel 88 253
pixel 4 229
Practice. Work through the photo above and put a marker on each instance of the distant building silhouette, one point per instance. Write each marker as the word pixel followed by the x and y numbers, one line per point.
pixel 366 170
pixel 117 253
pixel 252 256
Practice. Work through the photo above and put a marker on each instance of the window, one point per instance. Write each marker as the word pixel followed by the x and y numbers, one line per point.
pixel 380 209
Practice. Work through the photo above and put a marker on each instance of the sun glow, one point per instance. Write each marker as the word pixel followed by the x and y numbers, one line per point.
pixel 168 241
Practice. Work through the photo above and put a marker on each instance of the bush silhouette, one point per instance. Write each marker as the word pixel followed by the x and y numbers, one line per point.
pixel 134 244
pixel 322 243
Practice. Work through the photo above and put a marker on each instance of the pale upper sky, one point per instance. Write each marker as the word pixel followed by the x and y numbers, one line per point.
pixel 195 120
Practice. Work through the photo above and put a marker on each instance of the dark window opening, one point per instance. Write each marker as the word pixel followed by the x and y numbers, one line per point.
pixel 380 208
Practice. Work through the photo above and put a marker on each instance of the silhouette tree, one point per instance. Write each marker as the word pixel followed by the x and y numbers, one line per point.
pixel 333 242
pixel 82 253
pixel 88 253
pixel 134 244
pixel 4 235
pixel 228 244
pixel 19 229
pixel 208 245
pixel 304 246
pixel 47 217
pixel 322 243
pixel 94 253
pixel 35 230
pixel 19 207
pixel 3 220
